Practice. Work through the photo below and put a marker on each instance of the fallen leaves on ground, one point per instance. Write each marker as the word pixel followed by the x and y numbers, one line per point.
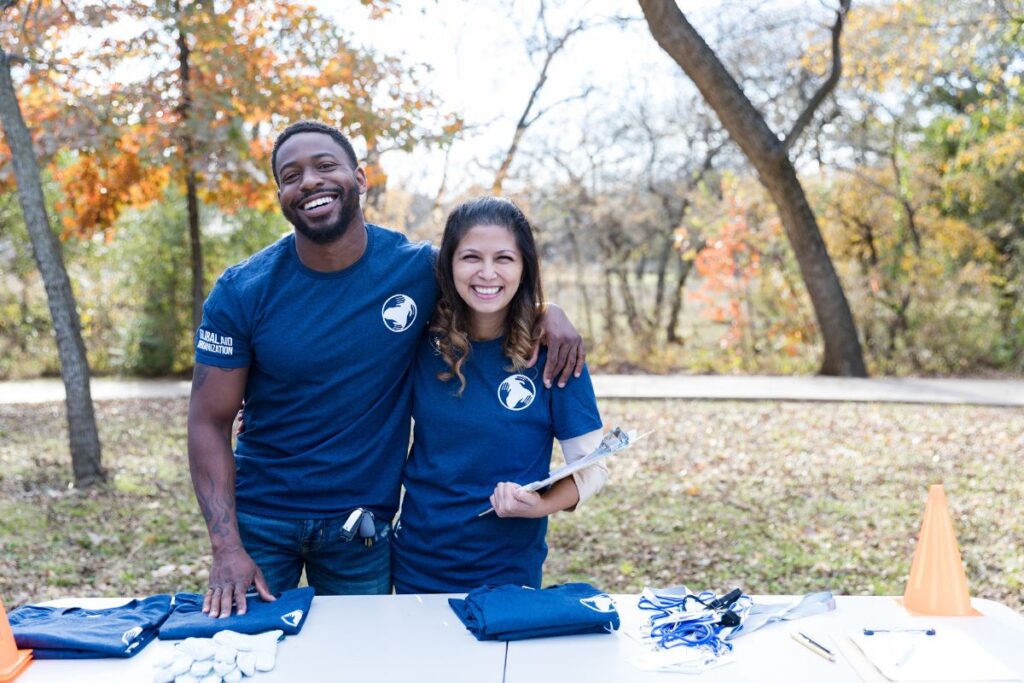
pixel 773 497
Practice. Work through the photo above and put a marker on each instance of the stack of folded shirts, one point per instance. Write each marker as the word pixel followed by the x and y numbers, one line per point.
pixel 516 613
pixel 287 613
pixel 76 633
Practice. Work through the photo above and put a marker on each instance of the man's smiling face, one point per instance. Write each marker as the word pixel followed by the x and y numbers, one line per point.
pixel 319 186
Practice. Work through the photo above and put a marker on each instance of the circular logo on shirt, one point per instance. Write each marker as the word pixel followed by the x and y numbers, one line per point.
pixel 516 392
pixel 399 312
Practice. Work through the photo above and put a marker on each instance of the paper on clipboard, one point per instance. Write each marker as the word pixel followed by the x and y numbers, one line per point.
pixel 613 442
pixel 948 655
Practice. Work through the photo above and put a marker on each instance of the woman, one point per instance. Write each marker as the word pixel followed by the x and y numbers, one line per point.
pixel 483 423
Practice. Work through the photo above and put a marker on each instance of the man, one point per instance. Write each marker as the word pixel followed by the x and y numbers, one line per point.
pixel 317 333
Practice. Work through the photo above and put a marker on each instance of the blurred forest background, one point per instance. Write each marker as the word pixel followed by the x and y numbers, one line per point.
pixel 152 124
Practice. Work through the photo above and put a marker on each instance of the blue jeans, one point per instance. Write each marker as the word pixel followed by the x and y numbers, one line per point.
pixel 334 566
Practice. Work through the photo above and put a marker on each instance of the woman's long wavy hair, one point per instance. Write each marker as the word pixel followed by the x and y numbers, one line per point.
pixel 450 324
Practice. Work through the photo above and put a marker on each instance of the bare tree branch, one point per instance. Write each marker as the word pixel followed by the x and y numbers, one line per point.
pixel 442 187
pixel 572 98
pixel 552 46
pixel 830 83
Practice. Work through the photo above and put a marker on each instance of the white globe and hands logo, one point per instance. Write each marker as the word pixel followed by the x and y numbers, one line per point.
pixel 601 602
pixel 399 312
pixel 516 392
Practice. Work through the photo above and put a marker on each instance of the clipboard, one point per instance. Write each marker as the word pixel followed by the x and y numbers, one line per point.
pixel 948 655
pixel 615 441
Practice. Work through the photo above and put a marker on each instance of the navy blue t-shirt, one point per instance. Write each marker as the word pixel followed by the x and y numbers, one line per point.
pixel 79 633
pixel 327 400
pixel 500 429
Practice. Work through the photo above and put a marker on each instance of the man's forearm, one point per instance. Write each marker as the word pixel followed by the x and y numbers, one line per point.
pixel 216 395
pixel 212 465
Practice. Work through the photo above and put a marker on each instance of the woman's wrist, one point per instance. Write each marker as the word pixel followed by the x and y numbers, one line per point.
pixel 561 496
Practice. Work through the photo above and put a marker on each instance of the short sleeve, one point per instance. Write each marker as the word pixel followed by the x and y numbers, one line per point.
pixel 223 338
pixel 574 408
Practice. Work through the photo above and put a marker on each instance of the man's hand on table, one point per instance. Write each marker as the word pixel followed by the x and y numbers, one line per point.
pixel 232 573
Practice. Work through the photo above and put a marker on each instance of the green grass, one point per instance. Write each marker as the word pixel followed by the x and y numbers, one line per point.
pixel 772 497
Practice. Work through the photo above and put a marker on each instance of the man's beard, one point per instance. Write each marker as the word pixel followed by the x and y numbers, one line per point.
pixel 333 231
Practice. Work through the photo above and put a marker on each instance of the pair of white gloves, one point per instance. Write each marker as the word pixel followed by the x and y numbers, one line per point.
pixel 224 658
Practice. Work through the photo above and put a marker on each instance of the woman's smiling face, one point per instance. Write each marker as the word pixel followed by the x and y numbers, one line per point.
pixel 487 268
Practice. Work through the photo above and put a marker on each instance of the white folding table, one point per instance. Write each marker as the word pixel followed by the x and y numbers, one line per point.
pixel 407 638
pixel 350 639
pixel 769 654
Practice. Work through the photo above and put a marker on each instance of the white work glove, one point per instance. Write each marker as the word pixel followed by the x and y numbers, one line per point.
pixel 225 658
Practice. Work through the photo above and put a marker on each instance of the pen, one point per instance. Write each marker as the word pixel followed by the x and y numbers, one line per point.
pixel 813 645
pixel 874 631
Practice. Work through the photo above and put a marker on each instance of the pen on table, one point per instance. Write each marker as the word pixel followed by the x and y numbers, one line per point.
pixel 813 645
pixel 877 631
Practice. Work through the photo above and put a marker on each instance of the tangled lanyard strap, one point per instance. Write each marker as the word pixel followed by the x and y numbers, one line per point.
pixel 694 620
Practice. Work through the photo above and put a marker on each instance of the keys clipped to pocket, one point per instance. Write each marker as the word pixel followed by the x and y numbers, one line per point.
pixel 360 520
pixel 367 529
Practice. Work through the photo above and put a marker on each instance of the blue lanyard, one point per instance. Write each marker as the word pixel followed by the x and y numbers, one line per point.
pixel 694 620
pixel 689 634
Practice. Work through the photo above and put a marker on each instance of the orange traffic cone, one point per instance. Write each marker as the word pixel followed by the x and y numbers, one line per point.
pixel 937 585
pixel 12 660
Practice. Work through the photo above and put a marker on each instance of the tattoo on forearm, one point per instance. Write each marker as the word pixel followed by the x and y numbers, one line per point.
pixel 216 504
pixel 218 508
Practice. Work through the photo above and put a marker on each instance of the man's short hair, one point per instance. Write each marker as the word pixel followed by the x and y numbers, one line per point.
pixel 311 127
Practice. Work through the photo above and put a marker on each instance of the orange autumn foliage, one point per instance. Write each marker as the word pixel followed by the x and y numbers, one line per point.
pixel 99 185
pixel 254 67
pixel 727 264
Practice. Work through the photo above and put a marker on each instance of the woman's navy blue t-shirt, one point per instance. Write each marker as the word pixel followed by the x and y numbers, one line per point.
pixel 500 429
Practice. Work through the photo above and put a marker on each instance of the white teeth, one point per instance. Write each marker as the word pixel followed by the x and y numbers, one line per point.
pixel 320 201
pixel 486 290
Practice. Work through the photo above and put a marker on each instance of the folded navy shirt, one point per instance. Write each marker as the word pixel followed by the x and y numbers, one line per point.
pixel 517 612
pixel 77 633
pixel 287 613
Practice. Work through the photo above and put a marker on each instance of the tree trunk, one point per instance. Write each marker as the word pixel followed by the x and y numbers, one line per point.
pixel 506 162
pixel 683 269
pixel 628 300
pixel 581 284
pixel 23 322
pixel 196 249
pixel 82 435
pixel 378 184
pixel 610 328
pixel 668 249
pixel 843 354
pixel 188 153
pixel 770 158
